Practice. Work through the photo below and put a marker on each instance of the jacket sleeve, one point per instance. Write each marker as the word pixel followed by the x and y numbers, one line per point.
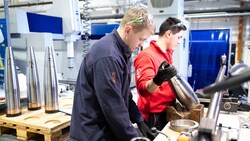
pixel 135 115
pixel 144 71
pixel 107 75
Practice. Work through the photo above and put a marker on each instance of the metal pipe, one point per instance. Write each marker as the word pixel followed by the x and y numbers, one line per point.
pixel 28 4
pixel 214 106
pixel 6 9
pixel 229 82
pixel 188 16
pixel 115 16
pixel 108 6
pixel 228 10
pixel 215 15
pixel 208 124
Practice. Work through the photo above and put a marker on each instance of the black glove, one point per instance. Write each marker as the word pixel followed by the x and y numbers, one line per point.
pixel 146 132
pixel 165 73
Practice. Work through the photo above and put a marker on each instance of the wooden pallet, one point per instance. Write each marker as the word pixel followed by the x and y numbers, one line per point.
pixel 53 126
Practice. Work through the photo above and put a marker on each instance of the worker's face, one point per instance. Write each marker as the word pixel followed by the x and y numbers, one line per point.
pixel 135 40
pixel 175 40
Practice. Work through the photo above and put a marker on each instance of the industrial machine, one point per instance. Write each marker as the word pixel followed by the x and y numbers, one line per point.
pixel 216 125
pixel 60 27
pixel 70 43
pixel 210 121
pixel 208 130
pixel 71 37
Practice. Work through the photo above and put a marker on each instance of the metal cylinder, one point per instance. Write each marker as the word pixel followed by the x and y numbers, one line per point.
pixel 139 139
pixel 50 82
pixel 33 85
pixel 214 106
pixel 11 85
pixel 183 92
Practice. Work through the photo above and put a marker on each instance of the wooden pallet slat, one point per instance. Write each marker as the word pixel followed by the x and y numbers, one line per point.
pixel 53 126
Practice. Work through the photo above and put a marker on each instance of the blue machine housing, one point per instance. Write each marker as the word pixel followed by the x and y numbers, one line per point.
pixel 44 23
pixel 100 30
pixel 3 46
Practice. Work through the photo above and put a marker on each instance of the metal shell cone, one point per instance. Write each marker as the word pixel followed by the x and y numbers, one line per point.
pixel 183 92
pixel 50 82
pixel 11 85
pixel 33 86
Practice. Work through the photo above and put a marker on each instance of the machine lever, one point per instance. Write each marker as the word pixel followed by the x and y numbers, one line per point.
pixel 229 82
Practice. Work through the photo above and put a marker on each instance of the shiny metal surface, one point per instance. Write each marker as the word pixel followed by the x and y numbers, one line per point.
pixel 11 85
pixel 139 139
pixel 14 112
pixel 50 82
pixel 214 106
pixel 184 92
pixel 229 82
pixel 209 122
pixel 183 125
pixel 237 69
pixel 34 106
pixel 33 85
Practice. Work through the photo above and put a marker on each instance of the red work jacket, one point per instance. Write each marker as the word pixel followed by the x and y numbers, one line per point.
pixel 146 66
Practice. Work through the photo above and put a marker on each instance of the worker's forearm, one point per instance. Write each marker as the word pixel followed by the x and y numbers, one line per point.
pixel 151 86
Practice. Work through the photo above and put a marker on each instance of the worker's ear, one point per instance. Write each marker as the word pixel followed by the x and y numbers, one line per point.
pixel 168 33
pixel 127 29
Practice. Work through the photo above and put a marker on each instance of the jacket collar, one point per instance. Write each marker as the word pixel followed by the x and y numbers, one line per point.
pixel 121 45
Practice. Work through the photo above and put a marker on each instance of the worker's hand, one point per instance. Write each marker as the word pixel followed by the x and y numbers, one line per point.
pixel 146 132
pixel 165 73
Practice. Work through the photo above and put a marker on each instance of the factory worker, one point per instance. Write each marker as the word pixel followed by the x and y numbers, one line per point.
pixel 151 76
pixel 103 109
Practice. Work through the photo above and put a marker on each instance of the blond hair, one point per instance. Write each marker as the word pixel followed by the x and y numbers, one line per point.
pixel 131 18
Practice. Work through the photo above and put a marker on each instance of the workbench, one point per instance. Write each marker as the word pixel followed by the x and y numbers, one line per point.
pixel 235 125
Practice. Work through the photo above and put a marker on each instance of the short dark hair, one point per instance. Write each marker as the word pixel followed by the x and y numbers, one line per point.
pixel 173 24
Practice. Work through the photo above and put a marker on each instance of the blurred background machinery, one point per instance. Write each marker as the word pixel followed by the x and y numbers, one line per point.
pixel 215 28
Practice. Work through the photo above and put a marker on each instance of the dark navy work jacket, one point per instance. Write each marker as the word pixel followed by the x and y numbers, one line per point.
pixel 103 107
